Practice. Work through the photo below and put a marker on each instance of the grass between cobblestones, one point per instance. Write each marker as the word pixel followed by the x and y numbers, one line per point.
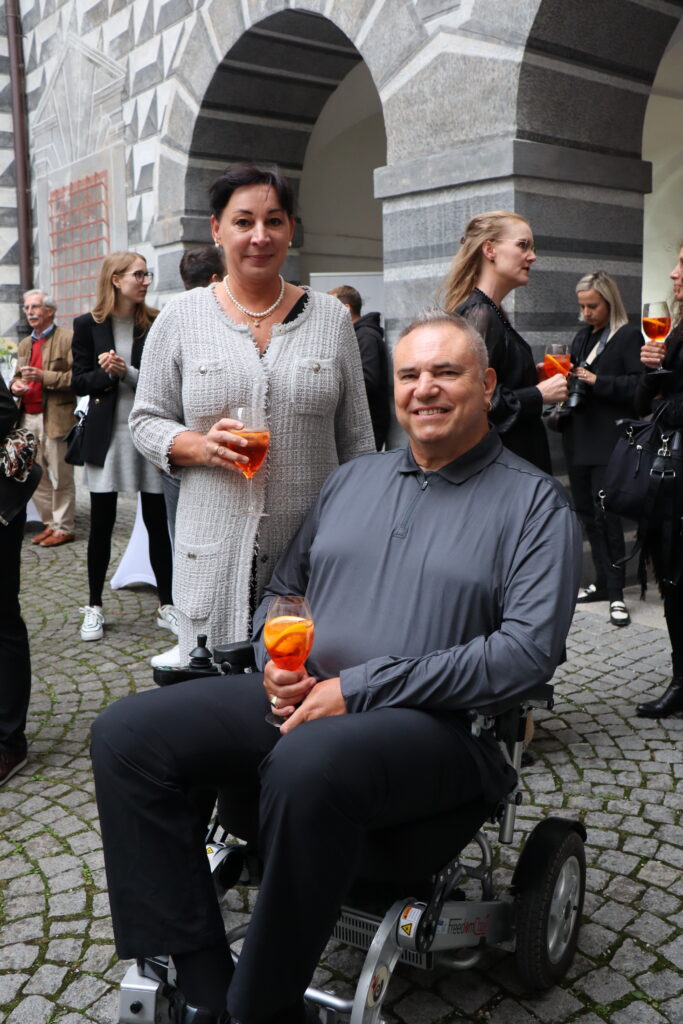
pixel 596 762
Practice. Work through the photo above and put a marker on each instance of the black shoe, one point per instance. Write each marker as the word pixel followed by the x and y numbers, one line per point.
pixel 670 703
pixel 591 593
pixel 182 1012
pixel 618 613
pixel 527 759
pixel 10 764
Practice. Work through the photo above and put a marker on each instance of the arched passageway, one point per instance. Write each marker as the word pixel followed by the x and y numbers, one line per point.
pixel 292 81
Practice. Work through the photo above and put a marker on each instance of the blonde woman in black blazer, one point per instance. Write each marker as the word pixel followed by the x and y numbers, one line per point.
pixel 606 364
pixel 107 349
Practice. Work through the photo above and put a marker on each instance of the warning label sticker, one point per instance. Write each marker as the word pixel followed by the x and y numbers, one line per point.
pixel 409 919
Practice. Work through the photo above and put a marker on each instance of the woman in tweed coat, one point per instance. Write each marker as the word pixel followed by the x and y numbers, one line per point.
pixel 250 338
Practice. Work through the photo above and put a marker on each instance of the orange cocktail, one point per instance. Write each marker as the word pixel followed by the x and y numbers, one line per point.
pixel 256 450
pixel 656 327
pixel 559 363
pixel 288 640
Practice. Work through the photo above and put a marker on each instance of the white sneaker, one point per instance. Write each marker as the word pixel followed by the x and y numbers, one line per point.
pixel 93 622
pixel 167 617
pixel 169 659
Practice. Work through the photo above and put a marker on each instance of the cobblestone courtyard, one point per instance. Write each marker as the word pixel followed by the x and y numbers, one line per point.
pixel 621 775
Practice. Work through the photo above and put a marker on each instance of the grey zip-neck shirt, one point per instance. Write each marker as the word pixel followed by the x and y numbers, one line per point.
pixel 441 590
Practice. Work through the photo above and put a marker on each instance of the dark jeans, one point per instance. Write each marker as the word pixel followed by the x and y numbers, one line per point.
pixel 604 530
pixel 313 796
pixel 102 519
pixel 171 488
pixel 15 659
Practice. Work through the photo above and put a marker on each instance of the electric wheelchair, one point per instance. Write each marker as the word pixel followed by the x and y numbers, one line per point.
pixel 419 873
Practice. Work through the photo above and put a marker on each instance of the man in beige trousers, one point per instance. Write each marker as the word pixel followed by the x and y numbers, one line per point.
pixel 42 380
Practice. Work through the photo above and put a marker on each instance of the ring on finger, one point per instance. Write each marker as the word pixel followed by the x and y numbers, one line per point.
pixel 273 701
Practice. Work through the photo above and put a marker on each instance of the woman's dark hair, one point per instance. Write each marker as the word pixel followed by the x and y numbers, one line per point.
pixel 242 175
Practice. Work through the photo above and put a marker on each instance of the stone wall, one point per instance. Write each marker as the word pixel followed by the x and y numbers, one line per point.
pixel 485 104
pixel 10 290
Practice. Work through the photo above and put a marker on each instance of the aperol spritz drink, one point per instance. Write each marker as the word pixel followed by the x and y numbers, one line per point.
pixel 656 321
pixel 257 435
pixel 557 360
pixel 288 635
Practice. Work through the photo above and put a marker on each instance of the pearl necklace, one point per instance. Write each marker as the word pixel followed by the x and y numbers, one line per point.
pixel 255 318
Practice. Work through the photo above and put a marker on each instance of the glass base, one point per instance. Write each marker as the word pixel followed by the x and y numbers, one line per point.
pixel 273 719
pixel 250 512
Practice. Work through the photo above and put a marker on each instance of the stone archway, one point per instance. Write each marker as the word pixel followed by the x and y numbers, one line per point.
pixel 275 66
pixel 584 85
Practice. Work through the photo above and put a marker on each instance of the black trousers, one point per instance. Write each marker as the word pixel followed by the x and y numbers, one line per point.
pixel 313 795
pixel 604 530
pixel 15 659
pixel 102 519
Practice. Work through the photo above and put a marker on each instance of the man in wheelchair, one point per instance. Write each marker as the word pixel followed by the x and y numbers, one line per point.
pixel 441 576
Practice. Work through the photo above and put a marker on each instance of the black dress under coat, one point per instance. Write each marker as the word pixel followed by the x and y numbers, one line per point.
pixel 517 404
pixel 88 378
pixel 591 431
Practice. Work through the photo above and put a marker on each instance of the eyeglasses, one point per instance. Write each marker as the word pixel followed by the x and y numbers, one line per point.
pixel 139 275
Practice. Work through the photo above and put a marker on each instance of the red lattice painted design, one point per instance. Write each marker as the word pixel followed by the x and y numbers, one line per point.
pixel 79 239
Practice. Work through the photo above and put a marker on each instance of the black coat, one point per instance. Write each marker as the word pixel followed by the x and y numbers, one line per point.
pixel 373 355
pixel 517 404
pixel 591 432
pixel 88 378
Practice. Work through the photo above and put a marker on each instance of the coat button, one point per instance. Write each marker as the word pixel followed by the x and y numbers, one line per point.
pixel 97 401
pixel 315 367
pixel 264 558
pixel 191 554
pixel 202 369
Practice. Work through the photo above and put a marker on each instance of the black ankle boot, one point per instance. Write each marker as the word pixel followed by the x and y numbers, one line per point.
pixel 670 703
pixel 183 1012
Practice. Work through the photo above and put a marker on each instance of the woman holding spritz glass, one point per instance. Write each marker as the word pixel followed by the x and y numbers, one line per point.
pixel 664 384
pixel 252 390
pixel 605 355
pixel 496 256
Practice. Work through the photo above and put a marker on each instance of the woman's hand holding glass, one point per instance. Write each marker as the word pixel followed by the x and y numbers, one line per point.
pixel 222 445
pixel 554 389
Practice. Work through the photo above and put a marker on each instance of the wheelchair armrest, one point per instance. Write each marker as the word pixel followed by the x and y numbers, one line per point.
pixel 540 696
pixel 235 659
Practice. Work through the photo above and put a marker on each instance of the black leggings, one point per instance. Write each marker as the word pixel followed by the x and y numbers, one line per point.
pixel 102 519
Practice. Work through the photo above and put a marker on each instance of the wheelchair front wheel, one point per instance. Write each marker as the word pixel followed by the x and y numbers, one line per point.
pixel 549 915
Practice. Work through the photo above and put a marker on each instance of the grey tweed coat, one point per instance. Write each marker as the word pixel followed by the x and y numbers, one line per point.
pixel 196 362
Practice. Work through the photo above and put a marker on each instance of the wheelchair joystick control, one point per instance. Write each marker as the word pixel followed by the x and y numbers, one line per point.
pixel 200 664
pixel 201 657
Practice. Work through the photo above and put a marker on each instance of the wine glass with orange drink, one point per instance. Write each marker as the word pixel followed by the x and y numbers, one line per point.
pixel 557 360
pixel 288 636
pixel 656 322
pixel 257 435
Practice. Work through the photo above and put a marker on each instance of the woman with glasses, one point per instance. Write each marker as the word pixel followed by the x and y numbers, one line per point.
pixel 496 255
pixel 107 347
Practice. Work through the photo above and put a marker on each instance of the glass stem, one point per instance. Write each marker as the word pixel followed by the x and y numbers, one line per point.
pixel 250 494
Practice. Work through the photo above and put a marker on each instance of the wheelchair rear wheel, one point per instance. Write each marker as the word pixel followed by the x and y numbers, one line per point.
pixel 549 915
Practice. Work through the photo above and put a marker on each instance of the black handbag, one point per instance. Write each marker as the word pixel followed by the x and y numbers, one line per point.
pixel 75 440
pixel 644 480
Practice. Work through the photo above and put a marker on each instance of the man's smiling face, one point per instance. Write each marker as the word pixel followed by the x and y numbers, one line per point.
pixel 442 393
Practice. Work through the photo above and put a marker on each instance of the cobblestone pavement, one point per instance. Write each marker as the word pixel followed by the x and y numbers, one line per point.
pixel 596 762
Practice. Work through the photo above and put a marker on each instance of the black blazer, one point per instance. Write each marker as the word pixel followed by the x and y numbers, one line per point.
pixel 517 403
pixel 592 431
pixel 88 378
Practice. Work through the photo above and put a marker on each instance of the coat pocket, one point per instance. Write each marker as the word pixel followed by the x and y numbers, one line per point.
pixel 315 390
pixel 194 577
